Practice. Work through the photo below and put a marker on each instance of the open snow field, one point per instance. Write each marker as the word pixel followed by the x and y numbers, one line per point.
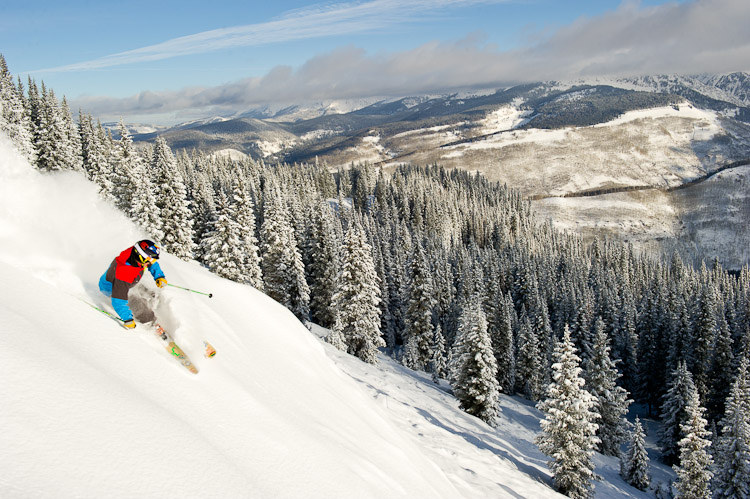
pixel 708 218
pixel 92 410
pixel 662 147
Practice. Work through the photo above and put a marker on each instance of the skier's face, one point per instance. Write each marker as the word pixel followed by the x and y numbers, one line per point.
pixel 146 261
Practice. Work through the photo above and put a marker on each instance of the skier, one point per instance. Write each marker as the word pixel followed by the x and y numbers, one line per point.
pixel 125 272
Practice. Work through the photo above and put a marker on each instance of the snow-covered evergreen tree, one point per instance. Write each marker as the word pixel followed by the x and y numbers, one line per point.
pixel 49 133
pixel 14 120
pixel 173 204
pixel 221 248
pixel 438 361
pixel 704 337
pixel 694 471
pixel 569 429
pixel 96 162
pixel 419 329
pixel 143 209
pixel 126 170
pixel 357 296
pixel 281 261
pixel 652 358
pixel 732 453
pixel 336 336
pixel 529 370
pixel 502 343
pixel 324 247
pixel 634 463
pixel 611 400
pixel 71 144
pixel 674 412
pixel 473 367
pixel 244 215
pixel 720 374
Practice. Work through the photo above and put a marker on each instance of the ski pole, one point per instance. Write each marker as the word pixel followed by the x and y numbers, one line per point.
pixel 191 290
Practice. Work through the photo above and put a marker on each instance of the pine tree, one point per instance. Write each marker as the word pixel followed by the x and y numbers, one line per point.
pixel 143 209
pixel 94 155
pixel 720 374
pixel 419 330
pixel 626 342
pixel 126 169
pixel 502 343
pixel 732 454
pixel 14 120
pixel 611 400
pixel 704 337
pixel 438 362
pixel 529 375
pixel 674 412
pixel 172 202
pixel 357 296
pixel 49 136
pixel 336 336
pixel 71 140
pixel 244 214
pixel 634 464
pixel 651 355
pixel 693 472
pixel 568 430
pixel 281 262
pixel 473 368
pixel 221 247
pixel 680 339
pixel 324 246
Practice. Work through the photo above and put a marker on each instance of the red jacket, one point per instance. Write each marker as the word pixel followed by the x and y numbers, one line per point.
pixel 126 270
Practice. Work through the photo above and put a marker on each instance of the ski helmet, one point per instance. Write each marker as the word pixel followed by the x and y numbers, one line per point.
pixel 146 250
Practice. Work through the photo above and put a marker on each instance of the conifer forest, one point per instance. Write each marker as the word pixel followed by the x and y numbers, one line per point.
pixel 452 275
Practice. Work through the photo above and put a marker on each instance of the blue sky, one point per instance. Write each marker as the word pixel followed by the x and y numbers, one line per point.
pixel 168 58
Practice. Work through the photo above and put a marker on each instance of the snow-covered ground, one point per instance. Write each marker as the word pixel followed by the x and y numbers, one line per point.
pixel 504 118
pixel 92 410
pixel 661 147
pixel 705 220
pixel 232 154
pixel 269 147
pixel 639 215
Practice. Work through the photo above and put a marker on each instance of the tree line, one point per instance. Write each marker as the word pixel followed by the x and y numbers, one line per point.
pixel 453 275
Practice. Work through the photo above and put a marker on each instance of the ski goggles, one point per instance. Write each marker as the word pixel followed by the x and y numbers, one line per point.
pixel 144 257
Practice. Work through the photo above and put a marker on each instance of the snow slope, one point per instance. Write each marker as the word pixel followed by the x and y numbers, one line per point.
pixel 91 410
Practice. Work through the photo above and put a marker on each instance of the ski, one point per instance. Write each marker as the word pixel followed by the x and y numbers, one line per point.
pixel 174 350
pixel 210 351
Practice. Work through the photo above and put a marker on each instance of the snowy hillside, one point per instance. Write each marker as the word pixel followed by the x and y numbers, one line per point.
pixel 90 409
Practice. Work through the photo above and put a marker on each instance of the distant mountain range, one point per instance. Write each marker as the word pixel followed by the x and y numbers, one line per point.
pixel 303 131
pixel 551 140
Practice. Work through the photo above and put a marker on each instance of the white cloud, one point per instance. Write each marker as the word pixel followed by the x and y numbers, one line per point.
pixel 687 38
pixel 311 22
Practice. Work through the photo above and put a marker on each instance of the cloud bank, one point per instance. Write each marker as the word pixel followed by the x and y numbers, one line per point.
pixel 687 38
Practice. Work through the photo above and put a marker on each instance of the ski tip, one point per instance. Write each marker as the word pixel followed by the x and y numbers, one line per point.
pixel 210 351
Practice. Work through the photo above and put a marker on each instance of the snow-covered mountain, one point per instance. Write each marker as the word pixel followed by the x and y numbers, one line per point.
pixel 90 409
pixel 545 139
pixel 308 110
pixel 732 87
